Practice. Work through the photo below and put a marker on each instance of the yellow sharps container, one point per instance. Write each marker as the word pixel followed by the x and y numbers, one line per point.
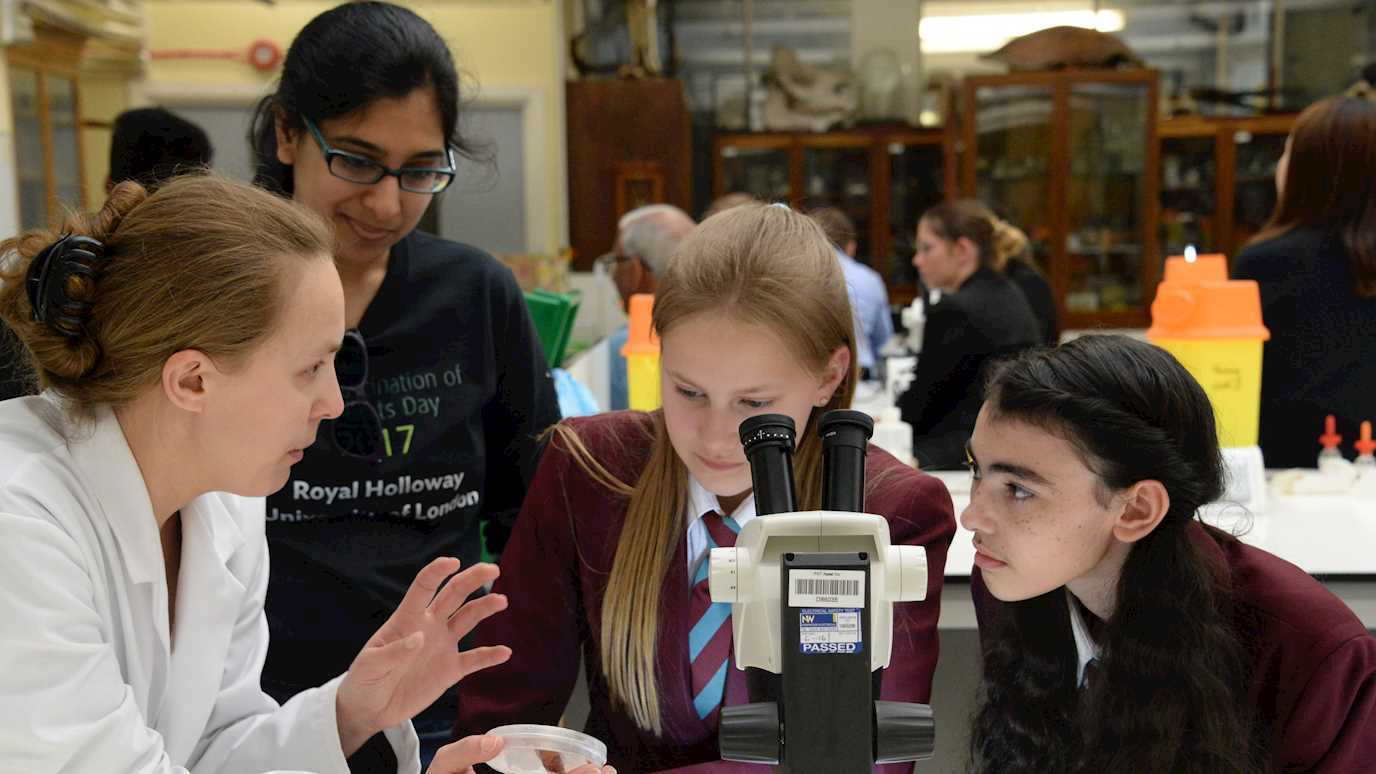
pixel 1213 327
pixel 642 355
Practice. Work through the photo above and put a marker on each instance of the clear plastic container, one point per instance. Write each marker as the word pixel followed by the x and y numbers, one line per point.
pixel 535 749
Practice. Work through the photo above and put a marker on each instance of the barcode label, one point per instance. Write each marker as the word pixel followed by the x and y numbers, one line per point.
pixel 826 588
pixel 830 586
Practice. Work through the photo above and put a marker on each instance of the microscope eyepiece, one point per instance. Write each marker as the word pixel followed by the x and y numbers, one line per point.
pixel 844 427
pixel 768 429
pixel 769 440
pixel 845 440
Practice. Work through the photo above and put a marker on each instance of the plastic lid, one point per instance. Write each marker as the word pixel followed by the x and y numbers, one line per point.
pixel 1196 300
pixel 1330 438
pixel 1364 444
pixel 535 749
pixel 641 338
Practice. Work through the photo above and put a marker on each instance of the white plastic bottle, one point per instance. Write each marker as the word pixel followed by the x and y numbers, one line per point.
pixel 893 435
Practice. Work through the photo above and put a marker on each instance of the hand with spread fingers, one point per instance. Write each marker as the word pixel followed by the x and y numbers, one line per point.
pixel 415 657
pixel 459 757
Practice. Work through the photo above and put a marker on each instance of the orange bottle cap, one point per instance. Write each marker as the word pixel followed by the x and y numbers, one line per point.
pixel 1364 444
pixel 641 339
pixel 1330 438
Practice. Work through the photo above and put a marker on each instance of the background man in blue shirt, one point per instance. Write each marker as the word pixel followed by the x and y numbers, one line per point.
pixel 869 298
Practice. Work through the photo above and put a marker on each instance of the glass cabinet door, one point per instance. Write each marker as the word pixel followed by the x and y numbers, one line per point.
pixel 28 148
pixel 1255 186
pixel 1188 191
pixel 916 182
pixel 760 172
pixel 840 177
pixel 1106 196
pixel 66 153
pixel 1013 125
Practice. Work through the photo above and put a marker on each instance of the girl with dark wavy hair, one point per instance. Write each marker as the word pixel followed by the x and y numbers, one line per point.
pixel 1120 633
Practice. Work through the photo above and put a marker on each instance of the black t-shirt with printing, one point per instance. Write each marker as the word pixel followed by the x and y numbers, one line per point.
pixel 458 378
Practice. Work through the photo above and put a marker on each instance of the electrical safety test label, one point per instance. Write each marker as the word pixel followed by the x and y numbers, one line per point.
pixel 826 588
pixel 829 630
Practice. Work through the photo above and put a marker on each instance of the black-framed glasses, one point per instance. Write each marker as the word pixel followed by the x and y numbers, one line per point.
pixel 365 171
pixel 357 432
pixel 609 261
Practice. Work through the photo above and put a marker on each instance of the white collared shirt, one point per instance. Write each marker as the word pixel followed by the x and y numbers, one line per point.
pixel 699 502
pixel 1086 649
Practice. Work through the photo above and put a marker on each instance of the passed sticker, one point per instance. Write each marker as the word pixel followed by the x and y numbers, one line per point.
pixel 829 630
pixel 826 588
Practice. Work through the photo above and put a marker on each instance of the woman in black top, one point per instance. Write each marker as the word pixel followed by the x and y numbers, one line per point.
pixel 981 316
pixel 1315 262
pixel 445 384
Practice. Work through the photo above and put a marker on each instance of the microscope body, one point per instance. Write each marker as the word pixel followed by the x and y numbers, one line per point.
pixel 812 601
pixel 871 574
pixel 812 597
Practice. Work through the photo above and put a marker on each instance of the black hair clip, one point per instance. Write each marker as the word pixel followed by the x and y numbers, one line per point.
pixel 49 282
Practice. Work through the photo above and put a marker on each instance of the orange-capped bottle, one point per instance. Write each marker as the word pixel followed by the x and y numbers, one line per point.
pixel 1213 327
pixel 642 355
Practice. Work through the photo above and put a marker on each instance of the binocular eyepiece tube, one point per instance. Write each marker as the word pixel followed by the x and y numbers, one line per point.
pixel 769 441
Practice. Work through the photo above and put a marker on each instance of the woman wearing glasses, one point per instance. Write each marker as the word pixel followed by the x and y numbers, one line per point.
pixel 446 387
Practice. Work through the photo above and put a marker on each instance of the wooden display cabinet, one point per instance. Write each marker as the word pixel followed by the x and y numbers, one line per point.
pixel 1071 158
pixel 883 177
pixel 1218 180
pixel 45 102
pixel 629 144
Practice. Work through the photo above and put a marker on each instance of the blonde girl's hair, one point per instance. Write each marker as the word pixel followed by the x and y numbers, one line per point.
pixel 1009 243
pixel 201 264
pixel 762 265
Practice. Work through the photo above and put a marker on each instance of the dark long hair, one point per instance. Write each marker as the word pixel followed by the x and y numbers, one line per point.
pixel 1170 694
pixel 1329 182
pixel 342 61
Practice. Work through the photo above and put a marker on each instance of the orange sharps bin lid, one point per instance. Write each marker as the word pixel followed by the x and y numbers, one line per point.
pixel 1196 300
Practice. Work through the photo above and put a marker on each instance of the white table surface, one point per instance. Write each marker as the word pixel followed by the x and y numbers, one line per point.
pixel 1323 535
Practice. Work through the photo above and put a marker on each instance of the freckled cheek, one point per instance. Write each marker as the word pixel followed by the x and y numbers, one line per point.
pixel 1028 526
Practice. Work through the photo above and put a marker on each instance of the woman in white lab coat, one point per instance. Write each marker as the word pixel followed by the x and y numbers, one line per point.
pixel 185 340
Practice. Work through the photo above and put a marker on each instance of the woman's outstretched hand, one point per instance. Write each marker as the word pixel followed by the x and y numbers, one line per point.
pixel 415 656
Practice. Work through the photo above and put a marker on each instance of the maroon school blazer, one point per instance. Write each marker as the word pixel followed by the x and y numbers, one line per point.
pixel 555 570
pixel 1313 662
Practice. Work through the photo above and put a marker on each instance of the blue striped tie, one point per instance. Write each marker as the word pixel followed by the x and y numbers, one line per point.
pixel 709 641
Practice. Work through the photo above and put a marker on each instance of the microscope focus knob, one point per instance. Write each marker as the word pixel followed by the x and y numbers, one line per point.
pixel 906 568
pixel 750 733
pixel 724 573
pixel 903 732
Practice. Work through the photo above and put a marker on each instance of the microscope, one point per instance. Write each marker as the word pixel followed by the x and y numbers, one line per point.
pixel 812 612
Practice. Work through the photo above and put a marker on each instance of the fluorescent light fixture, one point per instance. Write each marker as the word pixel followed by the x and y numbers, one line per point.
pixel 986 32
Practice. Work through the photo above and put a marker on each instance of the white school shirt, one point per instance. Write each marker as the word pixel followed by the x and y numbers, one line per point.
pixel 701 501
pixel 90 678
pixel 1086 649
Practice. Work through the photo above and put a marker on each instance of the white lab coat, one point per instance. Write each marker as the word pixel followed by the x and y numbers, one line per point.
pixel 90 680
